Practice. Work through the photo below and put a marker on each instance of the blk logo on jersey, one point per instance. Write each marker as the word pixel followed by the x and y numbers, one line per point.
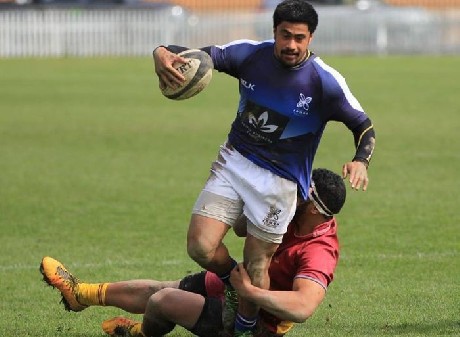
pixel 247 85
pixel 261 124
pixel 303 105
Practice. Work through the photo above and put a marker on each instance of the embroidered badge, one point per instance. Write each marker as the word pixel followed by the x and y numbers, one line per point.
pixel 271 220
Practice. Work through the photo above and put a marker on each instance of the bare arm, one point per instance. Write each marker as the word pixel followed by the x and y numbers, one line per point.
pixel 296 305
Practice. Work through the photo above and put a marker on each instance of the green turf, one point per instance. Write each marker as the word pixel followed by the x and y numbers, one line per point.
pixel 100 171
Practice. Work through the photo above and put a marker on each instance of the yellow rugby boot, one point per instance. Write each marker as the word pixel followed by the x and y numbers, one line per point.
pixel 56 275
pixel 122 327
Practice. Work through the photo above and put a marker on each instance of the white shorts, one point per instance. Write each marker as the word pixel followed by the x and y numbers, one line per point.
pixel 267 200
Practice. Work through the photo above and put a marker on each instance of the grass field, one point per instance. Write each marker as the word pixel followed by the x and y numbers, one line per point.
pixel 99 170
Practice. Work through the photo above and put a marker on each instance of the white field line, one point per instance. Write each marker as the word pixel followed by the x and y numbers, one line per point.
pixel 402 256
pixel 107 263
pixel 121 263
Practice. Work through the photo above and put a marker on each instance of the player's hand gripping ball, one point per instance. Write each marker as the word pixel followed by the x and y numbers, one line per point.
pixel 197 72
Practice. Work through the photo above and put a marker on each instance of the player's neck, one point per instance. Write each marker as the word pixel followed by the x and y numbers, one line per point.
pixel 306 223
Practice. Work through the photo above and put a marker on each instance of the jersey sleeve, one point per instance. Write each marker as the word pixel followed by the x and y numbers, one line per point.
pixel 318 263
pixel 339 102
pixel 229 57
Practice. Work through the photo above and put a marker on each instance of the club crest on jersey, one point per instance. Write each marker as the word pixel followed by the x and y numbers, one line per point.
pixel 303 105
pixel 247 85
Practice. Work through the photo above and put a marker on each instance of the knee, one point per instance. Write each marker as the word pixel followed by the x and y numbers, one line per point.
pixel 157 317
pixel 160 303
pixel 200 251
pixel 201 247
pixel 204 240
pixel 153 304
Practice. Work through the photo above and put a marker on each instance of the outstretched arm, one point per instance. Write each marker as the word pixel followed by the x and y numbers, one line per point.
pixel 356 169
pixel 296 305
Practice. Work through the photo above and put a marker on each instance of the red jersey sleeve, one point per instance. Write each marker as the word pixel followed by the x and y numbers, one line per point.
pixel 318 263
pixel 318 257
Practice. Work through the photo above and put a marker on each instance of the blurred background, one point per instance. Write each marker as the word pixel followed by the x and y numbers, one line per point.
pixel 56 28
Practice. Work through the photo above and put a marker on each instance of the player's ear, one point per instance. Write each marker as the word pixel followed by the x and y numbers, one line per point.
pixel 313 210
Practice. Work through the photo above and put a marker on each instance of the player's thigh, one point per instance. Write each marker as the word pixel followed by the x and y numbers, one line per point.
pixel 219 201
pixel 213 214
pixel 205 234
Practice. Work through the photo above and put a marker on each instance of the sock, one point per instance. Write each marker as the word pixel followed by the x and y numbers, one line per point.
pixel 91 293
pixel 226 277
pixel 244 323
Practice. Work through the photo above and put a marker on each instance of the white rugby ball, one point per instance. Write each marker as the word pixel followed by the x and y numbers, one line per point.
pixel 197 72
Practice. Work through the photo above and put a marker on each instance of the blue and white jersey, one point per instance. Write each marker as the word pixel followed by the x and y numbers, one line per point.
pixel 282 110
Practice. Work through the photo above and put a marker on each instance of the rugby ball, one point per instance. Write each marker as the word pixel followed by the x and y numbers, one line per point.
pixel 197 72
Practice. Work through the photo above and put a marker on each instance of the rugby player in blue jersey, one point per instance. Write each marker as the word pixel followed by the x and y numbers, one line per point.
pixel 287 96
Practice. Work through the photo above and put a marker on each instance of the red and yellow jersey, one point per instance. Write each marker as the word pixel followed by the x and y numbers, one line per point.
pixel 313 257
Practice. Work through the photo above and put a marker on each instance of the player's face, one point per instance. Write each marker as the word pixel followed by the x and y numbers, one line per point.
pixel 291 42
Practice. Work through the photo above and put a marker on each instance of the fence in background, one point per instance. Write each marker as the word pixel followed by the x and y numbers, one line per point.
pixel 84 32
pixel 119 31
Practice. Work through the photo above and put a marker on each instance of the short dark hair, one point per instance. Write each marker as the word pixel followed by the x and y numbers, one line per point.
pixel 330 189
pixel 298 11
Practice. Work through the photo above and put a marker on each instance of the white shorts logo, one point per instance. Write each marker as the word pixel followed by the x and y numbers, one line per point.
pixel 271 220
